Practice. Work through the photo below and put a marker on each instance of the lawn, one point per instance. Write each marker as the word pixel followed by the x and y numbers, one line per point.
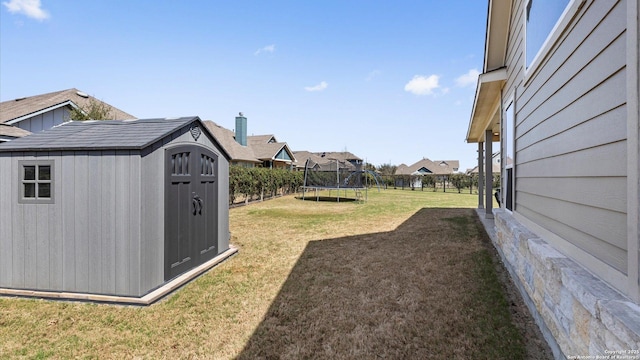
pixel 408 274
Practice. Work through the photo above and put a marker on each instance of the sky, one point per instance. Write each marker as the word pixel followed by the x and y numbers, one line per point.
pixel 390 81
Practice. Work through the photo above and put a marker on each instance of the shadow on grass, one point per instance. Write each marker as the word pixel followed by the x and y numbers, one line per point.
pixel 426 290
pixel 327 198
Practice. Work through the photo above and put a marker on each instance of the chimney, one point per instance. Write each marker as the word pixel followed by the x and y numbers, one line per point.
pixel 241 129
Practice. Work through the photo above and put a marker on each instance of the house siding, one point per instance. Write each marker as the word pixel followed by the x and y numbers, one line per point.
pixel 45 120
pixel 570 135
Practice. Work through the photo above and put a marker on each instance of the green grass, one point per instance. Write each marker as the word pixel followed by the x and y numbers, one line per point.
pixel 405 274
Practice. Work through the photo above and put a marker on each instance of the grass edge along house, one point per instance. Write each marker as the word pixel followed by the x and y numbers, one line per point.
pixel 561 99
pixel 112 210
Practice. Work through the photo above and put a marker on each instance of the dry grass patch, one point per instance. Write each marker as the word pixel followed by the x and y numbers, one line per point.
pixel 312 280
pixel 414 292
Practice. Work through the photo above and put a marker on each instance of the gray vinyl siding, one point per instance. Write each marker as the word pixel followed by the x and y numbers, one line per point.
pixel 571 132
pixel 45 120
pixel 80 242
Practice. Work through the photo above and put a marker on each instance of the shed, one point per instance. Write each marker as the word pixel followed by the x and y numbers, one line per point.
pixel 120 208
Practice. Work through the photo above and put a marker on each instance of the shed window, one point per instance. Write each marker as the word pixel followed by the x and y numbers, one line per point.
pixel 36 181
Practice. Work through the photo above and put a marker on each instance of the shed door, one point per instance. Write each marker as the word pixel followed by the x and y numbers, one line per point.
pixel 191 208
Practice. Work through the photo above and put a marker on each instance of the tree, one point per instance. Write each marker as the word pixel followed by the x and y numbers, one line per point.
pixel 92 110
pixel 387 169
pixel 459 181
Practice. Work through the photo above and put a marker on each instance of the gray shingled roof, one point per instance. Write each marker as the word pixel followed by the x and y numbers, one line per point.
pixel 18 108
pixel 105 134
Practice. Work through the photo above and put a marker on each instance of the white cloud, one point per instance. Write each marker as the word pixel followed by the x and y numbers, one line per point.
pixel 372 75
pixel 422 85
pixel 323 85
pixel 468 79
pixel 30 8
pixel 267 49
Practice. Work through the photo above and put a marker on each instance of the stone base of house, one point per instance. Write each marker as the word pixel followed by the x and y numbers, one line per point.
pixel 580 315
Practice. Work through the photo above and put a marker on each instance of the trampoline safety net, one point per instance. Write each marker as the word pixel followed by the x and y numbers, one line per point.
pixel 333 175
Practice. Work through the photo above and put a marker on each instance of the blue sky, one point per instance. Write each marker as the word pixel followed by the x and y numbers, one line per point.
pixel 390 81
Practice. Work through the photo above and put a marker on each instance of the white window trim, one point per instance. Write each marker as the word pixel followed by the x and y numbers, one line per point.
pixel 508 141
pixel 565 19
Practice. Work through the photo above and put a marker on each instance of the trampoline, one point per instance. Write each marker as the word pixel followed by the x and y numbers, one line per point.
pixel 337 181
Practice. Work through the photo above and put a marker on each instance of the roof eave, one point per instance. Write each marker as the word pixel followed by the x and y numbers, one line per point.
pixel 487 95
pixel 497 36
pixel 41 111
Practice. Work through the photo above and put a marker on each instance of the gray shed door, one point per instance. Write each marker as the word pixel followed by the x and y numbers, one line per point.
pixel 191 209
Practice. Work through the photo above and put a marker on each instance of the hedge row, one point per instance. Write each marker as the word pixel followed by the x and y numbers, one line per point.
pixel 256 183
pixel 457 181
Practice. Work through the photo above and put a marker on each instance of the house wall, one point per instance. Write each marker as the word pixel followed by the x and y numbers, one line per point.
pixel 88 239
pixel 44 121
pixel 568 244
pixel 571 137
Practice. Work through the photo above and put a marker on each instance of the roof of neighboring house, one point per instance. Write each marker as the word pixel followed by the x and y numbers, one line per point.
pixel 338 155
pixel 13 111
pixel 261 139
pixel 324 157
pixel 495 168
pixel 265 147
pixel 227 139
pixel 259 147
pixel 438 167
pixel 12 131
pixel 495 164
pixel 100 134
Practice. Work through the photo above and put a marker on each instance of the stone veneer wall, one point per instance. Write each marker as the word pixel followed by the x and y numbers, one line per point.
pixel 579 314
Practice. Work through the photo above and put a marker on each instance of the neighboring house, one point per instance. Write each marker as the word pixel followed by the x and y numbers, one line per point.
pixel 425 167
pixel 252 151
pixel 272 153
pixel 328 160
pixel 126 209
pixel 559 90
pixel 240 155
pixel 8 132
pixel 496 158
pixel 42 112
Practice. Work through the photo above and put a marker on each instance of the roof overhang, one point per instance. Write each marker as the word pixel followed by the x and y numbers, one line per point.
pixel 485 114
pixel 495 46
pixel 42 111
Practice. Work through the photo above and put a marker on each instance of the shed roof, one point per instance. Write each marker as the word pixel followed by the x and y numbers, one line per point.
pixel 102 134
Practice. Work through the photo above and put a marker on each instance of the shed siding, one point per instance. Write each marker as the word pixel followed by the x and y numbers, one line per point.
pixel 571 132
pixel 153 177
pixel 72 244
pixel 103 232
pixel 152 241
